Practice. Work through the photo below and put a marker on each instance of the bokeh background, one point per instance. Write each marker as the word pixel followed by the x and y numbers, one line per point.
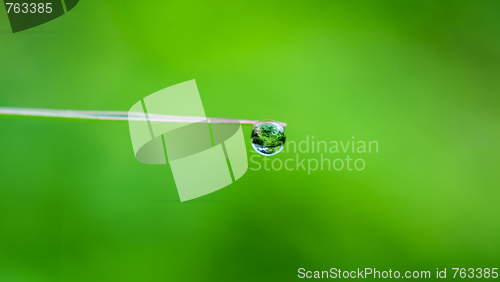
pixel 420 77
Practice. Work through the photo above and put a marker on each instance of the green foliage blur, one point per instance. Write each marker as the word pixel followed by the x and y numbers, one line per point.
pixel 422 78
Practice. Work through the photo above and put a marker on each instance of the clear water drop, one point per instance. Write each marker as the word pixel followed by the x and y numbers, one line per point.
pixel 268 138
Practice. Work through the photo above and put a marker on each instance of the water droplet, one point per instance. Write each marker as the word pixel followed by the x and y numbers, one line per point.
pixel 268 138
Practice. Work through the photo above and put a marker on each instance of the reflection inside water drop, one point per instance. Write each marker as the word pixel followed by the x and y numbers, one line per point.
pixel 268 138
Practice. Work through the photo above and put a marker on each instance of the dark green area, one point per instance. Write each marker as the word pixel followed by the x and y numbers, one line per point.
pixel 29 14
pixel 70 4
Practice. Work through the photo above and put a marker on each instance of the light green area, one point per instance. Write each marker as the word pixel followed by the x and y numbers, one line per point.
pixel 419 77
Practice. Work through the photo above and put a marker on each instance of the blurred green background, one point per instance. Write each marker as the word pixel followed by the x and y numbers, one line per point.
pixel 420 77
